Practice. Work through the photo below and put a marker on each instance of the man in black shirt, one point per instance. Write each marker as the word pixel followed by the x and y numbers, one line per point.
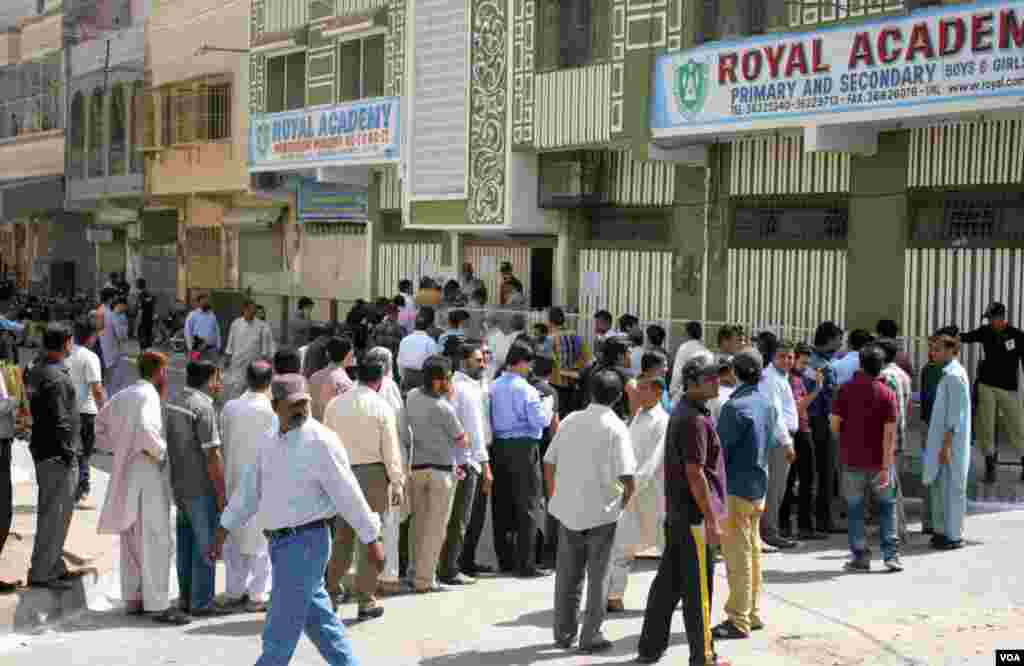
pixel 55 419
pixel 997 384
pixel 695 511
pixel 146 305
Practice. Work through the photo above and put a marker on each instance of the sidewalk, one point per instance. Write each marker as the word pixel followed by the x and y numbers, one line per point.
pixel 30 609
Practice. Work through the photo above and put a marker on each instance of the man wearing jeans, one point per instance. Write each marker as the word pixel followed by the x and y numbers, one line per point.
pixel 865 416
pixel 747 428
pixel 300 481
pixel 53 446
pixel 589 470
pixel 197 479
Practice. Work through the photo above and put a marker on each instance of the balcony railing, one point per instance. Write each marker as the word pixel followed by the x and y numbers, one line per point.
pixel 574 106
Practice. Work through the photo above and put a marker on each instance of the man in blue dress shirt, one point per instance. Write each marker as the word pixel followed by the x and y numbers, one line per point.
pixel 518 419
pixel 202 331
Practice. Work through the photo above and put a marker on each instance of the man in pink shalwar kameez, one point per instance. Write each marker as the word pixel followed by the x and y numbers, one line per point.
pixel 138 501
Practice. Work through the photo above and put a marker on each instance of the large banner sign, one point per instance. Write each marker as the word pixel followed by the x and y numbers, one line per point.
pixel 347 134
pixel 884 66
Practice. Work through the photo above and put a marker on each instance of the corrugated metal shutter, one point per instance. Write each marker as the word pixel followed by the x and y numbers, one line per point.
pixel 205 258
pixel 637 282
pixel 768 289
pixel 954 286
pixel 561 118
pixel 159 266
pixel 334 261
pixel 947 154
pixel 777 164
pixel 517 255
pixel 402 261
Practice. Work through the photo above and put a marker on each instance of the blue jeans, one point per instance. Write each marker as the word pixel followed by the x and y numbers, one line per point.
pixel 855 483
pixel 196 573
pixel 300 603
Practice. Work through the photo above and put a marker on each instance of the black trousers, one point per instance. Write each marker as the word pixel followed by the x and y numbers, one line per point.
pixel 6 492
pixel 802 470
pixel 824 468
pixel 477 517
pixel 87 430
pixel 686 572
pixel 145 334
pixel 518 505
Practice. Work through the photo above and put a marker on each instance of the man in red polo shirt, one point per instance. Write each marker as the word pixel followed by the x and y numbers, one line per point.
pixel 865 416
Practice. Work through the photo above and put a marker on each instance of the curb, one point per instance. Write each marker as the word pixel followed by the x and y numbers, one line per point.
pixel 39 609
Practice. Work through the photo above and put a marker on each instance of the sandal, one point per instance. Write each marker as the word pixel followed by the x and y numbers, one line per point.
pixel 9 588
pixel 172 616
pixel 728 631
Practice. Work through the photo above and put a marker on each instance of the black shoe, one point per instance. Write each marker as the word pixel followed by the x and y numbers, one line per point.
pixel 779 542
pixel 475 570
pixel 211 611
pixel 370 613
pixel 990 469
pixel 535 573
pixel 565 644
pixel 600 645
pixel 648 658
pixel 860 563
pixel 786 533
pixel 947 544
pixel 928 530
pixel 813 535
pixel 937 540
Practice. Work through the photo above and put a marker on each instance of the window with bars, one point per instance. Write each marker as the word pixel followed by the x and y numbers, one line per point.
pixel 756 224
pixel 817 12
pixel 361 68
pixel 574 33
pixel 962 217
pixel 197 112
pixel 31 97
pixel 286 82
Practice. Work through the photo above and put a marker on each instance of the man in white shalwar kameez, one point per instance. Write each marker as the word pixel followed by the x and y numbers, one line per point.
pixel 249 339
pixel 640 525
pixel 138 501
pixel 244 421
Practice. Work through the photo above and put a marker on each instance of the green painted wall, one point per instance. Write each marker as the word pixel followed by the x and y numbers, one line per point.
pixel 878 233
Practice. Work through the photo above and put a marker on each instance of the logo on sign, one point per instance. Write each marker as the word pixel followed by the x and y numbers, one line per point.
pixel 263 131
pixel 691 86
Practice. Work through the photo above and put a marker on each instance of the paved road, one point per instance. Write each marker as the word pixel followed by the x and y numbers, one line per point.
pixel 947 608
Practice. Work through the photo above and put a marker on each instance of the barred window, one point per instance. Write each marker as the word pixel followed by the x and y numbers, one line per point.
pixel 574 33
pixel 197 112
pixel 31 97
pixel 215 109
pixel 769 223
pixel 966 217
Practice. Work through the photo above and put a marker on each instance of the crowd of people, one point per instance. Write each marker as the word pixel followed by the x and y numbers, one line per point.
pixel 387 443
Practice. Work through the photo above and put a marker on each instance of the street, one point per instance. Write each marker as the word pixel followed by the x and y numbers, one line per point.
pixel 946 608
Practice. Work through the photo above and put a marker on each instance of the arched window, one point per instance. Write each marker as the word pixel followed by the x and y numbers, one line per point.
pixel 118 135
pixel 97 138
pixel 77 152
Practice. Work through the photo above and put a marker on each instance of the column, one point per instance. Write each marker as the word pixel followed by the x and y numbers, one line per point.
pixel 877 236
pixel 182 281
pixel 686 236
pixel 373 221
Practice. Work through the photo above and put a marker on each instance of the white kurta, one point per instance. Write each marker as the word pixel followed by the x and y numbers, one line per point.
pixel 244 422
pixel 247 341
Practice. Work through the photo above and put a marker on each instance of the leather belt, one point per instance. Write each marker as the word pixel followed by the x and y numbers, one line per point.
pixel 442 468
pixel 291 531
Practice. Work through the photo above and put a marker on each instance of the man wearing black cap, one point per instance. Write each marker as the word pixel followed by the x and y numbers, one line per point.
pixel 997 384
pixel 695 511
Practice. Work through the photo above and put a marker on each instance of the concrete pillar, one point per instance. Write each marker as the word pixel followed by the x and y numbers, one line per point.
pixel 573 232
pixel 453 252
pixel 877 237
pixel 686 236
pixel 232 262
pixel 719 223
pixel 373 222
pixel 182 281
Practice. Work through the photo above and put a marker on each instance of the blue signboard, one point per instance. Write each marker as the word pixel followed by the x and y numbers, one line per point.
pixel 948 59
pixel 360 133
pixel 333 202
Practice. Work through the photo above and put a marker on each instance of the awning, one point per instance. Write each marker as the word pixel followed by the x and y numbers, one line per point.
pixel 24 197
pixel 251 217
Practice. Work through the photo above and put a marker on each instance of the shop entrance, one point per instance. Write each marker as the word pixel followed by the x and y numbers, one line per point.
pixel 542 271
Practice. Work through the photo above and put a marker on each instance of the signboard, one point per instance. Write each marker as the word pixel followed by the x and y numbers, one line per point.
pixel 346 134
pixel 887 68
pixel 327 201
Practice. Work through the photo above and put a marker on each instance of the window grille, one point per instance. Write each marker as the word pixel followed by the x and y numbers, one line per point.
pixel 973 218
pixel 197 112
pixel 574 33
pixel 770 223
pixel 31 97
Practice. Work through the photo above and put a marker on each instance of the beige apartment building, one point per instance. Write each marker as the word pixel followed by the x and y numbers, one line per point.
pixel 196 145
